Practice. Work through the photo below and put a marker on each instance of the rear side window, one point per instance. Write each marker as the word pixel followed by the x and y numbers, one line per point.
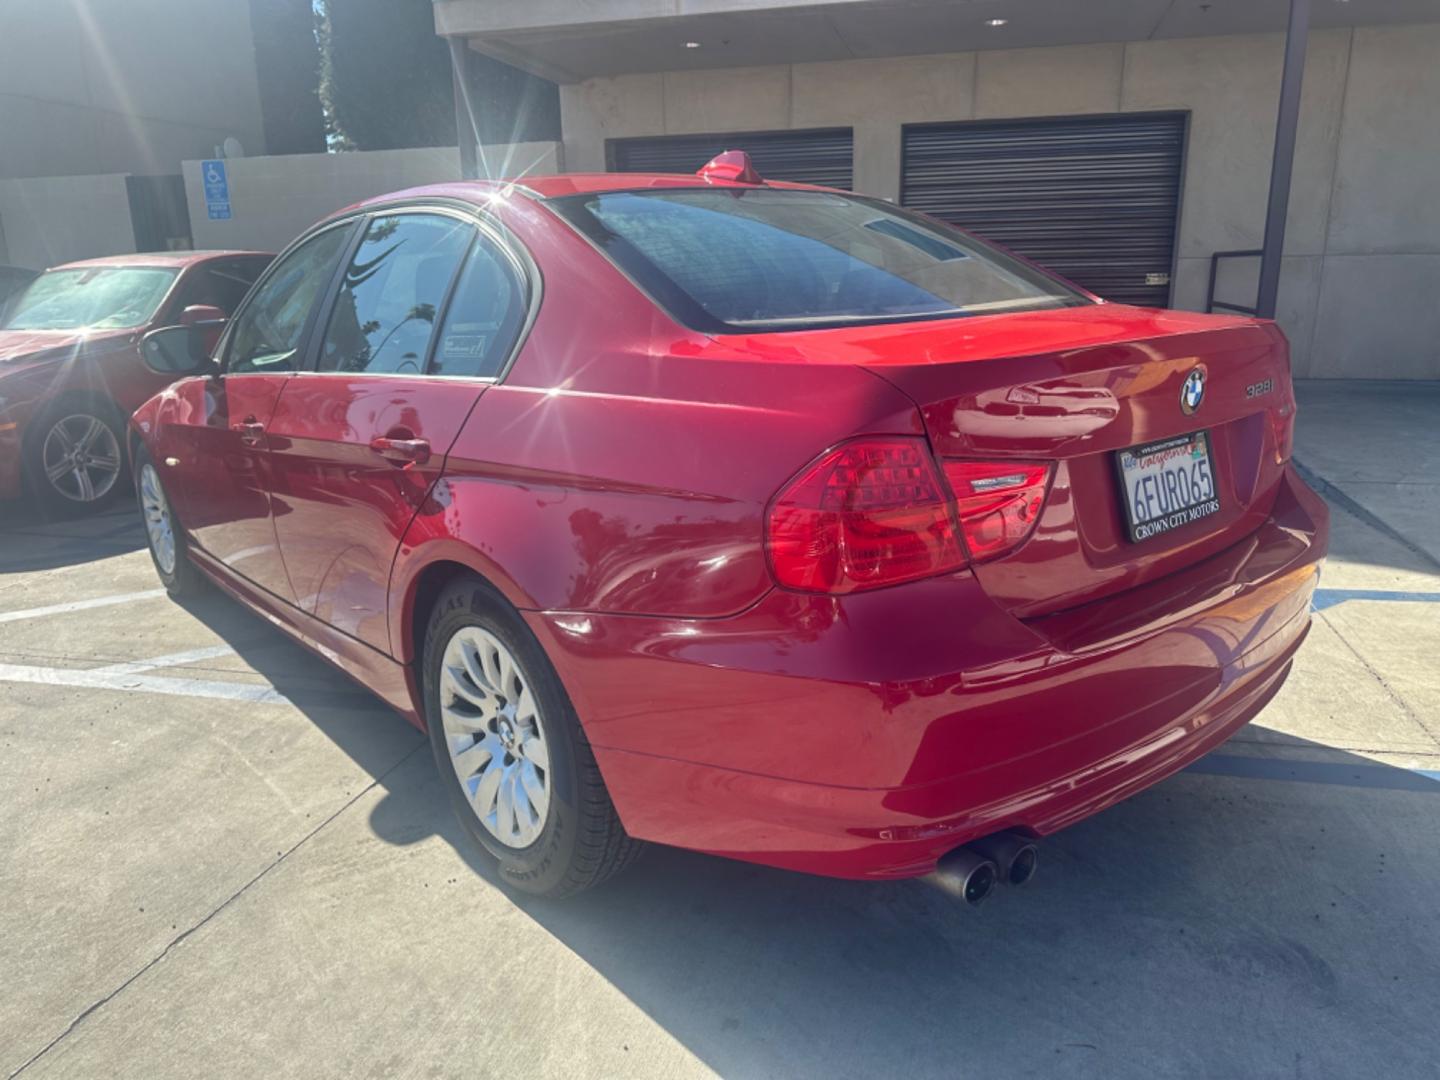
pixel 485 315
pixel 737 259
pixel 394 287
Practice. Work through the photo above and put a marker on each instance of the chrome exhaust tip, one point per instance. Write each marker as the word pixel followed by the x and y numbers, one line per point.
pixel 965 874
pixel 1016 859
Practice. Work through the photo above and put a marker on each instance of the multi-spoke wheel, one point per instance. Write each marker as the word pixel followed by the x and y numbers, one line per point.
pixel 492 730
pixel 162 529
pixel 156 511
pixel 77 459
pixel 511 752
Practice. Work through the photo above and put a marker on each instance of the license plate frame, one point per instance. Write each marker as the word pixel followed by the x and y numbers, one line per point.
pixel 1184 491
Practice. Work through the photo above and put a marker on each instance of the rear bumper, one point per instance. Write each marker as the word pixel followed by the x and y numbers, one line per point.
pixel 867 736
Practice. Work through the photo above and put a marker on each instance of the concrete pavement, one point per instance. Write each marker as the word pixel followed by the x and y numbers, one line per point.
pixel 222 859
pixel 1377 447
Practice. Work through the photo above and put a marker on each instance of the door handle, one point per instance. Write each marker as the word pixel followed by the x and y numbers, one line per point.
pixel 251 430
pixel 413 451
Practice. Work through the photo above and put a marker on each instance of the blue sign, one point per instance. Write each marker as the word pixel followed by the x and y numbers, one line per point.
pixel 217 190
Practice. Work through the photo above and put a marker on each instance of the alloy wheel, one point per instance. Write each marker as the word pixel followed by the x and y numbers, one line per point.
pixel 81 458
pixel 157 518
pixel 491 723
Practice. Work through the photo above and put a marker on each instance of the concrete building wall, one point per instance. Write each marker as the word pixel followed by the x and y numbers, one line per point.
pixel 54 219
pixel 273 199
pixel 1362 253
pixel 100 86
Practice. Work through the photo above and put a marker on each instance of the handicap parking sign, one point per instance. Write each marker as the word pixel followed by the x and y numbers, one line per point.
pixel 217 190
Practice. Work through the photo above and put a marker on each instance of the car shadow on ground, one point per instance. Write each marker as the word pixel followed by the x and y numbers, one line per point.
pixel 1306 904
pixel 348 714
pixel 1300 892
pixel 33 538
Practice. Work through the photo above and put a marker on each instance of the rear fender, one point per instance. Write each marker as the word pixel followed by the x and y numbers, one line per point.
pixel 423 548
pixel 632 503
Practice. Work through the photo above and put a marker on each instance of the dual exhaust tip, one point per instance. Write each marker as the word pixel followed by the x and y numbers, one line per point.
pixel 972 872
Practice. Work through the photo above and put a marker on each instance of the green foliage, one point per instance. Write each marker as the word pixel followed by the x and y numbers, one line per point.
pixel 385 80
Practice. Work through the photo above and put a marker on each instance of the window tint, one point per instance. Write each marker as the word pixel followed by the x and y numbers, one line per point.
pixel 267 332
pixel 485 315
pixel 393 288
pixel 741 258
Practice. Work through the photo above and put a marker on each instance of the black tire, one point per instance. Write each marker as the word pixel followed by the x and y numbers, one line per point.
pixel 182 581
pixel 66 495
pixel 582 841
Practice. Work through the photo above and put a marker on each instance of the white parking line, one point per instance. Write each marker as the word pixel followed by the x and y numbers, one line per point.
pixel 101 679
pixel 131 667
pixel 79 605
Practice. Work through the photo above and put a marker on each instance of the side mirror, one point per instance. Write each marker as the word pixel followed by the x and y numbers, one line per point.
pixel 208 318
pixel 202 313
pixel 178 351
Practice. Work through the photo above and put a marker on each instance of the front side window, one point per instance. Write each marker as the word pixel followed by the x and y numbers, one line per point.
pixel 221 284
pixel 394 287
pixel 739 259
pixel 90 298
pixel 268 333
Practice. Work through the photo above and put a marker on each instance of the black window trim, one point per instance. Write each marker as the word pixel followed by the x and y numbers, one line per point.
pixel 688 313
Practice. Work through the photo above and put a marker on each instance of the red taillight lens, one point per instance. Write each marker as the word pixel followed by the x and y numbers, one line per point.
pixel 1282 420
pixel 870 513
pixel 998 502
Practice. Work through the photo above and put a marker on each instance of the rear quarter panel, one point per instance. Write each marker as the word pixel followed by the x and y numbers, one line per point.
pixel 625 463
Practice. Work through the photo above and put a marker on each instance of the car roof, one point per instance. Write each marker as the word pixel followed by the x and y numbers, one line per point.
pixel 159 258
pixel 554 187
pixel 548 187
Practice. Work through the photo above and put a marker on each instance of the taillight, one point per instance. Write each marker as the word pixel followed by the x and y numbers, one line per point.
pixel 1282 421
pixel 870 513
pixel 998 502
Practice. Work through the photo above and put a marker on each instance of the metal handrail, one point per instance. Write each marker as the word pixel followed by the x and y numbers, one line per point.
pixel 1210 302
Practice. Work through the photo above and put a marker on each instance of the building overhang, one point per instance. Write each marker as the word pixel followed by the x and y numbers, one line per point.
pixel 567 42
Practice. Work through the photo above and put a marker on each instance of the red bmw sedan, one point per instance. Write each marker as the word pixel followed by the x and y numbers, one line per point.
pixel 765 520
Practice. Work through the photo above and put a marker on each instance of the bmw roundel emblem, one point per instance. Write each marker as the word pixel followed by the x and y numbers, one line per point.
pixel 1192 391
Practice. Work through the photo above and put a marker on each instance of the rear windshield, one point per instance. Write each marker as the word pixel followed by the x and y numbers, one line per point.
pixel 736 259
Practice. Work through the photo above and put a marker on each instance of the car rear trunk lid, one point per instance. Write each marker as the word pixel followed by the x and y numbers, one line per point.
pixel 1075 387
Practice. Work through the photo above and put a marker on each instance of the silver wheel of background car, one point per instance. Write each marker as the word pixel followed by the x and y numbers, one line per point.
pixel 157 518
pixel 491 722
pixel 81 457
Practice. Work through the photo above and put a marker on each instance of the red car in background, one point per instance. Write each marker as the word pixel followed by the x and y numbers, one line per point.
pixel 770 521
pixel 70 367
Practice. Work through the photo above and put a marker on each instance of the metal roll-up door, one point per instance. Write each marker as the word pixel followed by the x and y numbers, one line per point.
pixel 806 157
pixel 1094 198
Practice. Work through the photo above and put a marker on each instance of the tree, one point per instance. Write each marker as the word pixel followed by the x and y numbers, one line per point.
pixel 384 75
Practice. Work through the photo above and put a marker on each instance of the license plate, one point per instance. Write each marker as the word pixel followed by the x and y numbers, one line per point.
pixel 1167 484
